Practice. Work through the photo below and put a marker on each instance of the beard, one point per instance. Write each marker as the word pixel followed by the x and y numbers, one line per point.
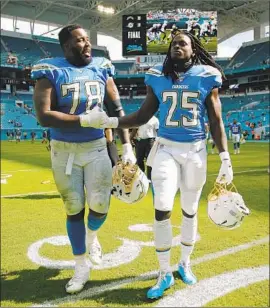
pixel 79 59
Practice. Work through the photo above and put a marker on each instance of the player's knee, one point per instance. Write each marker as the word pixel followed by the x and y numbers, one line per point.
pixel 73 203
pixel 95 220
pixel 162 215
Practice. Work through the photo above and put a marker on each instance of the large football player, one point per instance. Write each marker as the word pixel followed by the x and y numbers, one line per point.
pixel 182 89
pixel 66 88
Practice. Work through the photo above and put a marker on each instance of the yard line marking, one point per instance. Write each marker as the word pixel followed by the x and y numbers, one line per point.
pixel 212 288
pixel 22 170
pixel 240 172
pixel 31 194
pixel 52 192
pixel 147 276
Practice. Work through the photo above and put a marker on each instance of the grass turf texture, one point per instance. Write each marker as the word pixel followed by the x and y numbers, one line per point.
pixel 155 47
pixel 29 218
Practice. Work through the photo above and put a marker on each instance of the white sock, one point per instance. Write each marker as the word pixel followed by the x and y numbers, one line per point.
pixel 188 237
pixel 91 236
pixel 163 243
pixel 80 259
pixel 186 252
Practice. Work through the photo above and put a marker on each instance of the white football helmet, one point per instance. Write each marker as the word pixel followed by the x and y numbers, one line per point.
pixel 130 184
pixel 226 207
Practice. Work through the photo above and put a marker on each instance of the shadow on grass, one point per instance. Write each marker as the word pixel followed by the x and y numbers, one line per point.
pixel 35 197
pixel 39 286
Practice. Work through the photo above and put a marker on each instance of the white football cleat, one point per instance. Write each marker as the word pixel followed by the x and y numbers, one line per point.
pixel 79 279
pixel 95 252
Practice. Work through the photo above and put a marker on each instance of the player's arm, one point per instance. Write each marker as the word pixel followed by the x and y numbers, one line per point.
pixel 114 107
pixel 144 114
pixel 45 102
pixel 213 106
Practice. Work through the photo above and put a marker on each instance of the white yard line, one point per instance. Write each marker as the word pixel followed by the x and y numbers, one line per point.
pixel 52 192
pixel 22 170
pixel 147 276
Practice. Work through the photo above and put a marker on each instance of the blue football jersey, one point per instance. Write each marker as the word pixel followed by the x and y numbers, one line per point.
pixel 182 103
pixel 236 128
pixel 78 89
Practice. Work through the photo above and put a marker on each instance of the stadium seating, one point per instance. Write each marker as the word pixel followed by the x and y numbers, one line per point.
pixel 27 51
pixel 250 56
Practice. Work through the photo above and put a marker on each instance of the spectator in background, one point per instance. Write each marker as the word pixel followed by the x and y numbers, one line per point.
pixel 33 136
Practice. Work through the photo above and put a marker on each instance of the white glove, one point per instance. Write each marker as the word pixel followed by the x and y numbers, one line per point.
pixel 128 155
pixel 225 175
pixel 97 118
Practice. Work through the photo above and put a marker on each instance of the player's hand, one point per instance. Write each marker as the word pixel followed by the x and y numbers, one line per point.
pixel 97 118
pixel 128 155
pixel 225 175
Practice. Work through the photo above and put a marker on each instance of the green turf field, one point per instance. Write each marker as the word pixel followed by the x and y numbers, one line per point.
pixel 232 266
pixel 156 47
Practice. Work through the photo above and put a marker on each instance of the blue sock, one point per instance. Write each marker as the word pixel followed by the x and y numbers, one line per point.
pixel 94 222
pixel 76 233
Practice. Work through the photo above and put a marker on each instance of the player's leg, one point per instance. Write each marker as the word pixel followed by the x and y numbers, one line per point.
pixel 140 153
pixel 71 189
pixel 113 153
pixel 238 143
pixel 165 179
pixel 192 180
pixel 98 184
pixel 149 145
pixel 234 140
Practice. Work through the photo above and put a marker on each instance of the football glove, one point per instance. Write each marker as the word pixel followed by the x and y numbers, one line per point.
pixel 225 175
pixel 97 118
pixel 128 154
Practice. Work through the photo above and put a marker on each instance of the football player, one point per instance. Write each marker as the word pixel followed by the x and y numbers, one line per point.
pixel 182 88
pixel 236 134
pixel 66 90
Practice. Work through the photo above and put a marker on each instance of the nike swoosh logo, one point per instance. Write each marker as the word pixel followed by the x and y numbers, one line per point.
pixel 100 150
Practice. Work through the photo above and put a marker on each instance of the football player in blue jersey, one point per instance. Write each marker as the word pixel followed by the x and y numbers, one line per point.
pixel 236 132
pixel 183 88
pixel 65 92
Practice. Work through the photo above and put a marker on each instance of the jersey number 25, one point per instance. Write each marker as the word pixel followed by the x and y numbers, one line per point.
pixel 184 103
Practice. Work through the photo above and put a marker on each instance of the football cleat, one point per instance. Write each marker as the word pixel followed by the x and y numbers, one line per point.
pixel 95 252
pixel 79 279
pixel 130 184
pixel 186 274
pixel 226 207
pixel 165 281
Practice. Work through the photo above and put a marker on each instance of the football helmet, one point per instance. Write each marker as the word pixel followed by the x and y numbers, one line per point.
pixel 130 184
pixel 226 207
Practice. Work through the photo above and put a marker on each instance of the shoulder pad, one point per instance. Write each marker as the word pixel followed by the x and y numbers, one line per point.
pixel 156 70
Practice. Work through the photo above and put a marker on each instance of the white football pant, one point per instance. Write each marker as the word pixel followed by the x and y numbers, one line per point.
pixel 82 171
pixel 179 166
pixel 235 138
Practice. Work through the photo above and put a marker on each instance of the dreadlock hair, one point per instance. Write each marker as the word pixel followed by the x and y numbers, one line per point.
pixel 202 56
pixel 65 34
